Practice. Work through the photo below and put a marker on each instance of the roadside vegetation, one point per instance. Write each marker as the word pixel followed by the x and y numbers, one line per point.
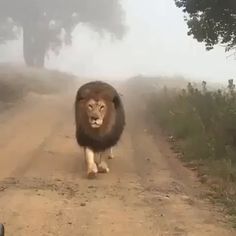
pixel 201 125
pixel 16 82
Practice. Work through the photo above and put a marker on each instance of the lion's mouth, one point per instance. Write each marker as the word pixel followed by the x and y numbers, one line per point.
pixel 95 123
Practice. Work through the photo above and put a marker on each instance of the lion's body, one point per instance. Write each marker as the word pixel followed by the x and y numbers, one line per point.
pixel 99 116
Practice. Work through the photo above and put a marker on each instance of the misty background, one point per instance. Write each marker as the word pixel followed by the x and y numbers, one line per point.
pixel 113 41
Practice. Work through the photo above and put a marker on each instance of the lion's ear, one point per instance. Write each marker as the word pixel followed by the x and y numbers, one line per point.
pixel 79 97
pixel 116 101
pixel 82 94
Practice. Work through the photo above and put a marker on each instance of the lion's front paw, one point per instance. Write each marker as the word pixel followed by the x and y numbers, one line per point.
pixel 92 171
pixel 103 168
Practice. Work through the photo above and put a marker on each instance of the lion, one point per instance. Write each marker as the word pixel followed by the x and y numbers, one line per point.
pixel 100 121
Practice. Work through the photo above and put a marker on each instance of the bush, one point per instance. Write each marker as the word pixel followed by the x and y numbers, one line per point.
pixel 204 121
pixel 204 115
pixel 204 124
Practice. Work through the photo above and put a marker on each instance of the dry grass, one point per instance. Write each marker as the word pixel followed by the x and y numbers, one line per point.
pixel 17 81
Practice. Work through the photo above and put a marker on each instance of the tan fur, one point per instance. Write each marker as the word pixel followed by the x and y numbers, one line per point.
pixel 92 108
pixel 96 111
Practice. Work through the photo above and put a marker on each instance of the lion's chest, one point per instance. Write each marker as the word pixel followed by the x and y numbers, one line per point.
pixel 97 139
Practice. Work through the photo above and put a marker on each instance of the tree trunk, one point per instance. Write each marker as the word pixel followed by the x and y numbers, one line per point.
pixel 33 50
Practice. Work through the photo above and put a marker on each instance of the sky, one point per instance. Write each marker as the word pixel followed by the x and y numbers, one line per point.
pixel 156 44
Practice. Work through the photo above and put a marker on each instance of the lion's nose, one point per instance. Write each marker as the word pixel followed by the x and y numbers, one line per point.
pixel 94 118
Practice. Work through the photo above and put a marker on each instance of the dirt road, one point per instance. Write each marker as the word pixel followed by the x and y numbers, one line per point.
pixel 44 190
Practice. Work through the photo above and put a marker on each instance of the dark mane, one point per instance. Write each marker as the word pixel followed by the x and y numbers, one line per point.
pixel 110 132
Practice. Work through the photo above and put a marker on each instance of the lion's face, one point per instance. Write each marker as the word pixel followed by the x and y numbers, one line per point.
pixel 96 111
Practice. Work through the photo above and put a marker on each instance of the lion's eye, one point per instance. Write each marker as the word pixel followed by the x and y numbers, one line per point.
pixel 102 107
pixel 90 107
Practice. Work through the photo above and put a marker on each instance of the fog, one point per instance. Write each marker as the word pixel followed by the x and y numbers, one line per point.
pixel 154 43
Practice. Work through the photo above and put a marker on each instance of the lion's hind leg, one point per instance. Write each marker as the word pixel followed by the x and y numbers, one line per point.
pixel 110 154
pixel 102 165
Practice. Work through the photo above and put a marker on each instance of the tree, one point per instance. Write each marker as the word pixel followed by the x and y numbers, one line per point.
pixel 48 24
pixel 211 21
pixel 204 87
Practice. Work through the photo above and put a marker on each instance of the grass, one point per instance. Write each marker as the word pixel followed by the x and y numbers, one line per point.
pixel 203 123
pixel 18 81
